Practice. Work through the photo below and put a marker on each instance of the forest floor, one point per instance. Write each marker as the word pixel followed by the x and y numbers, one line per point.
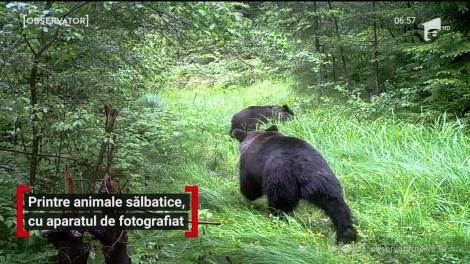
pixel 408 186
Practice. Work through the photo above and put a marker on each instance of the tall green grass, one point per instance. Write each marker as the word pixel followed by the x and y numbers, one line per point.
pixel 407 184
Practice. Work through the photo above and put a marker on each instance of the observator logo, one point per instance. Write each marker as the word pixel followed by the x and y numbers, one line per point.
pixel 50 21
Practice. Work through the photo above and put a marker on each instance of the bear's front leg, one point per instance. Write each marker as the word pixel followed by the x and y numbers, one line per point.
pixel 249 186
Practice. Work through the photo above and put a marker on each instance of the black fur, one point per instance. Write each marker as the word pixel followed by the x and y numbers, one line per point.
pixel 288 169
pixel 249 118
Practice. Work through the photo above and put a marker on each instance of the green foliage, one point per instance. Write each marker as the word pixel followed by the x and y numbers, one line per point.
pixel 407 185
pixel 444 69
pixel 151 101
pixel 331 42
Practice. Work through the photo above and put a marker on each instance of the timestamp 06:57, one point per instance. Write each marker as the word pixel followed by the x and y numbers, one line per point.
pixel 404 20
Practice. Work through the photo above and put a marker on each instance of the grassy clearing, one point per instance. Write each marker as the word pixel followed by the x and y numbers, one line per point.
pixel 408 186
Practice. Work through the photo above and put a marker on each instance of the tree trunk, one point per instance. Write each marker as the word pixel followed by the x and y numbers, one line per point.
pixel 46 42
pixel 333 65
pixel 376 90
pixel 35 126
pixel 341 52
pixel 319 74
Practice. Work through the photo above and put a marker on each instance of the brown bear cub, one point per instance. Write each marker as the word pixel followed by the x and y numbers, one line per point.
pixel 250 117
pixel 288 169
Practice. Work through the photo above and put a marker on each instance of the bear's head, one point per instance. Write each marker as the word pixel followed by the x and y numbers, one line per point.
pixel 246 139
pixel 284 112
pixel 287 110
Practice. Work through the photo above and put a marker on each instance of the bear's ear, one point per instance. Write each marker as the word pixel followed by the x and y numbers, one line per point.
pixel 287 109
pixel 272 128
pixel 239 134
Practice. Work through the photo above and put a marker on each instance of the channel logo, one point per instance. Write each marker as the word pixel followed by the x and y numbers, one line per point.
pixel 432 27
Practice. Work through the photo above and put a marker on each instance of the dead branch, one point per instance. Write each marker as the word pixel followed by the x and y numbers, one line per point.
pixel 68 180
pixel 189 221
pixel 239 58
pixel 79 162
pixel 111 115
pixel 70 245
pixel 71 248
pixel 114 241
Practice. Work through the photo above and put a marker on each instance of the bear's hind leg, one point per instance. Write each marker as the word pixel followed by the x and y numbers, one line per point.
pixel 281 200
pixel 339 212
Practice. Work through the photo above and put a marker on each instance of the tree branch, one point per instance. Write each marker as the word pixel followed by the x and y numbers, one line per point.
pixel 189 221
pixel 239 58
pixel 111 115
pixel 75 8
pixel 162 13
pixel 80 162
pixel 48 44
pixel 29 45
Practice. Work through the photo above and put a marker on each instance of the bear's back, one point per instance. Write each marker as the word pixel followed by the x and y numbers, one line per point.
pixel 258 112
pixel 292 152
pixel 248 118
pixel 286 144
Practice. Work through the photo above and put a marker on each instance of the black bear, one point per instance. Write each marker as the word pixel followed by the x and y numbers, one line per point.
pixel 288 169
pixel 250 117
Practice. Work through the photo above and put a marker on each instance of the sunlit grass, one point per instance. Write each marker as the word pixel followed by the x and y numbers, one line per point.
pixel 407 184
